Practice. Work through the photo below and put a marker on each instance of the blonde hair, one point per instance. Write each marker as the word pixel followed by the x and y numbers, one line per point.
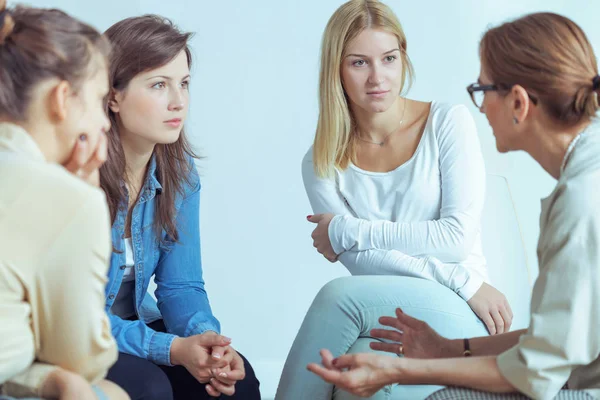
pixel 334 142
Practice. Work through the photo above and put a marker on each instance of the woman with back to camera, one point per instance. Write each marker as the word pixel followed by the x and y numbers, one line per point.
pixel 55 241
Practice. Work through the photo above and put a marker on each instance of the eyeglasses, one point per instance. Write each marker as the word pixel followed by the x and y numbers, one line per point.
pixel 477 92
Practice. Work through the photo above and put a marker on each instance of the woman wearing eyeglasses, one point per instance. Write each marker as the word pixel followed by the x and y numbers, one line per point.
pixel 397 188
pixel 538 88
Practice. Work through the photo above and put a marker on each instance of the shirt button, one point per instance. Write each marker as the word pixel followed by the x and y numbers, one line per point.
pixel 123 267
pixel 112 296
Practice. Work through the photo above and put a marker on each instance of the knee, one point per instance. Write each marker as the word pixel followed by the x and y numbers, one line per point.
pixel 156 386
pixel 334 290
pixel 249 387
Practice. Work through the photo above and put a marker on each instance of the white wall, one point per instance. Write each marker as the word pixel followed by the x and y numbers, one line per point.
pixel 253 113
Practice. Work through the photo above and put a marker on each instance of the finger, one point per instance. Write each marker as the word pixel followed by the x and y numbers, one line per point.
pixel 97 158
pixel 102 148
pixel 489 323
pixel 78 155
pixel 504 314
pixel 407 319
pixel 229 355
pixel 344 361
pixel 238 370
pixel 233 375
pixel 498 321
pixel 212 391
pixel 222 377
pixel 227 390
pixel 315 218
pixel 217 352
pixel 326 358
pixel 509 309
pixel 393 322
pixel 328 375
pixel 388 347
pixel 215 340
pixel 387 334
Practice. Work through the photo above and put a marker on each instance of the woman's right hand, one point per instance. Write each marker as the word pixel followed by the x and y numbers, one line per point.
pixel 492 307
pixel 197 354
pixel 411 337
pixel 85 162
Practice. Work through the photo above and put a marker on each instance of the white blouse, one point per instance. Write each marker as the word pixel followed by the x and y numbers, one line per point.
pixel 423 219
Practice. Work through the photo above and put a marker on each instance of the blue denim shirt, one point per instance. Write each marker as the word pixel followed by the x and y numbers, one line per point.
pixel 176 267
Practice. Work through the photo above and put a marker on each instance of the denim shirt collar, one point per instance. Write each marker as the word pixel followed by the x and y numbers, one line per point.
pixel 151 185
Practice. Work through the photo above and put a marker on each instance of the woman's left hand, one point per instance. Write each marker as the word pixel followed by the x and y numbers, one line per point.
pixel 360 374
pixel 321 235
pixel 85 162
pixel 224 379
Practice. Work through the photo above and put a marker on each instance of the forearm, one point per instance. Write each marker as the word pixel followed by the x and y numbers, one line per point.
pixel 136 338
pixel 450 239
pixel 484 345
pixel 479 373
pixel 390 262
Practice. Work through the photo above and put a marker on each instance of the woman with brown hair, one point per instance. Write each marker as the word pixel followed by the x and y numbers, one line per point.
pixel 538 88
pixel 171 348
pixel 54 248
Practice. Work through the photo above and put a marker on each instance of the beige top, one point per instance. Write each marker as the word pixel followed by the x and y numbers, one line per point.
pixel 563 339
pixel 54 253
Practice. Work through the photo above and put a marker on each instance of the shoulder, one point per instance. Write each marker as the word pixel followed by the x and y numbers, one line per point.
pixel 51 182
pixel 307 160
pixel 448 115
pixel 191 182
pixel 47 196
pixel 452 123
pixel 574 202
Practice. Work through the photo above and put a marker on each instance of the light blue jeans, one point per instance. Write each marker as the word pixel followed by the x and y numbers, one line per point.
pixel 344 312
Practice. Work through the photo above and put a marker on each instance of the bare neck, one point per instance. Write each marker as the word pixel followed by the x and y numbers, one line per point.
pixel 378 126
pixel 547 143
pixel 137 158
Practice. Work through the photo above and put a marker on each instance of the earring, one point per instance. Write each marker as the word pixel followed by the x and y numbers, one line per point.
pixel 515 120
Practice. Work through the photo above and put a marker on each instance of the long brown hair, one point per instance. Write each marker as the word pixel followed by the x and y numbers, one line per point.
pixel 141 44
pixel 551 57
pixel 39 44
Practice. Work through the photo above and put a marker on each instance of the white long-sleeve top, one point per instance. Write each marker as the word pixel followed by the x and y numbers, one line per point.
pixel 423 219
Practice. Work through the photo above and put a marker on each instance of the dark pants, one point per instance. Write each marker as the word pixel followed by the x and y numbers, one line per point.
pixel 144 380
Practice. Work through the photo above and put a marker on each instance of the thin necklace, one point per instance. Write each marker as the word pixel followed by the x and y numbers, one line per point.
pixel 380 144
pixel 571 148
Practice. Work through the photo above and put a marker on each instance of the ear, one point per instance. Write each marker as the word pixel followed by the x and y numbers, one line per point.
pixel 57 100
pixel 114 99
pixel 520 103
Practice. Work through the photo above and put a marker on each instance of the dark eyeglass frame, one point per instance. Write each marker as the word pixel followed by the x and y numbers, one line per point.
pixel 477 87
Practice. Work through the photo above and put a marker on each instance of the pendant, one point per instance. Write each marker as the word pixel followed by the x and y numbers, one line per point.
pixel 381 144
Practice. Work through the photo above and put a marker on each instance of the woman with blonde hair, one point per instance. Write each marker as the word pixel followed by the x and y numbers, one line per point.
pixel 538 88
pixel 397 188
